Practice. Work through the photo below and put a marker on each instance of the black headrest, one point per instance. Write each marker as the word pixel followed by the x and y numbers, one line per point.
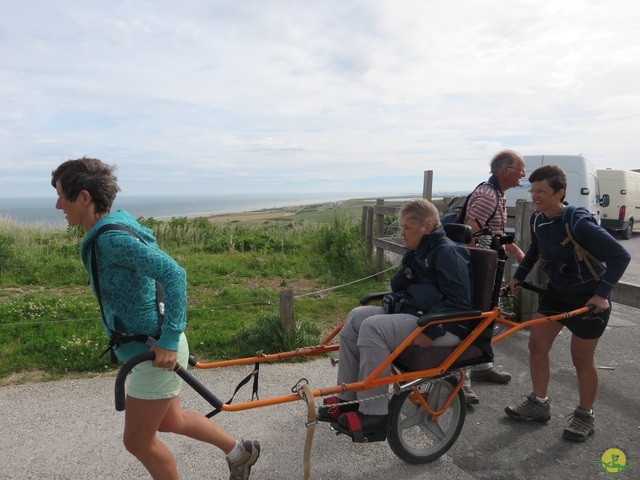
pixel 458 232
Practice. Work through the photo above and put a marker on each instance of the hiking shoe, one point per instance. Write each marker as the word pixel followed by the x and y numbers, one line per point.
pixel 581 426
pixel 470 396
pixel 490 375
pixel 530 409
pixel 241 468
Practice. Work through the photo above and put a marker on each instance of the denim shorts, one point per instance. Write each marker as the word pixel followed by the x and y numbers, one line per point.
pixel 150 383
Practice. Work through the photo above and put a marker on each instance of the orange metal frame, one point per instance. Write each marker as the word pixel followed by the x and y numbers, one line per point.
pixel 375 380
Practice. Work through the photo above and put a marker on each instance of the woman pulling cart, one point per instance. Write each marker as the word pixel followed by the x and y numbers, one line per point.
pixel 577 277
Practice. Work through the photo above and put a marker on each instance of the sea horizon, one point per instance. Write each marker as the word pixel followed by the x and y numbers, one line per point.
pixel 42 211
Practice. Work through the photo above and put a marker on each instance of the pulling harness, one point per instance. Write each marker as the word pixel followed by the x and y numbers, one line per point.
pixel 117 338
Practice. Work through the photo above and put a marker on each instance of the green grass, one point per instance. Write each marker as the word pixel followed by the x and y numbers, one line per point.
pixel 50 323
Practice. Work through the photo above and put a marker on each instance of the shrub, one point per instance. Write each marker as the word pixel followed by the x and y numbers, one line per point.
pixel 7 257
pixel 51 320
pixel 267 335
pixel 343 248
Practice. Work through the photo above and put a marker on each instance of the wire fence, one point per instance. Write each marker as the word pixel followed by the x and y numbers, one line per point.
pixel 216 307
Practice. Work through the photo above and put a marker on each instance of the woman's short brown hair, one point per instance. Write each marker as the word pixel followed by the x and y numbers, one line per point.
pixel 90 174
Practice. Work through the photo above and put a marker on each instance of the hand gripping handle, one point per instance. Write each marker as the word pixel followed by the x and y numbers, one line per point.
pixel 182 373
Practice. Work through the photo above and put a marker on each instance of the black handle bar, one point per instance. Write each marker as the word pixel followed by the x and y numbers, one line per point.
pixel 182 373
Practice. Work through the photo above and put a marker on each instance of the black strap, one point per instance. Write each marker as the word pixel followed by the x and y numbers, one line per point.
pixel 117 338
pixel 254 394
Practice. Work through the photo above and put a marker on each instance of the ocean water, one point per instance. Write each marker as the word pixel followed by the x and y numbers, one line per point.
pixel 42 210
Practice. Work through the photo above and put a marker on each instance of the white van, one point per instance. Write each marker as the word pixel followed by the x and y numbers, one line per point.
pixel 620 201
pixel 582 181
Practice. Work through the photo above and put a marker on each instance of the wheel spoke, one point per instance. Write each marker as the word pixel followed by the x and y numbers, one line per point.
pixel 434 396
pixel 414 437
pixel 434 427
pixel 412 420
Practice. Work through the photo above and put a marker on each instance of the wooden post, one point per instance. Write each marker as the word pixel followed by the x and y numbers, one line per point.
pixel 379 234
pixel 367 229
pixel 528 299
pixel 287 317
pixel 427 185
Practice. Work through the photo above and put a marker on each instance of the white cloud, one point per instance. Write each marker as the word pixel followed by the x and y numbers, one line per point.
pixel 351 96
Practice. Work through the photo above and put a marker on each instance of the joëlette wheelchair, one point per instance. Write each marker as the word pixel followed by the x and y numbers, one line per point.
pixel 427 407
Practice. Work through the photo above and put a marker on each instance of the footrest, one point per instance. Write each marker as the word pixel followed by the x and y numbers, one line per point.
pixel 359 436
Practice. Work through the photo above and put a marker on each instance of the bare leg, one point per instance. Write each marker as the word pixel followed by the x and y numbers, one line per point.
pixel 143 418
pixel 540 343
pixel 582 354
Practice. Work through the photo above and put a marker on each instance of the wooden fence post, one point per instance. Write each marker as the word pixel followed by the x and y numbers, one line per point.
pixel 528 299
pixel 427 185
pixel 367 229
pixel 379 234
pixel 287 317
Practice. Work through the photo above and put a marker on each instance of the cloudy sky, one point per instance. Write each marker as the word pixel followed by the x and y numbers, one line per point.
pixel 213 96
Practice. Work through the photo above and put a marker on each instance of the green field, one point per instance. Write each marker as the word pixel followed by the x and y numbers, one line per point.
pixel 49 319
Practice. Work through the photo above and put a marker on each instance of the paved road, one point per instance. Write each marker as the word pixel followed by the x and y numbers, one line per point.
pixel 70 430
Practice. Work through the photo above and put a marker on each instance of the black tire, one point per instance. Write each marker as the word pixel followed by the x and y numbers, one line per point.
pixel 413 437
pixel 627 233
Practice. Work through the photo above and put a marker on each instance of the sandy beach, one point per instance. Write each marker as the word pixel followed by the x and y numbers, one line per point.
pixel 251 216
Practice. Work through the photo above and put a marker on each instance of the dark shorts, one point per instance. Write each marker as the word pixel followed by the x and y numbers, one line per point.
pixel 588 326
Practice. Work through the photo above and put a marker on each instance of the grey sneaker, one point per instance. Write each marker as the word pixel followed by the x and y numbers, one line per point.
pixel 470 396
pixel 240 469
pixel 490 375
pixel 581 426
pixel 530 409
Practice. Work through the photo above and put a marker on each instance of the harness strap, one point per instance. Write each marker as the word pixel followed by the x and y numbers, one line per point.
pixel 307 395
pixel 334 407
pixel 583 254
pixel 118 338
pixel 354 425
pixel 254 393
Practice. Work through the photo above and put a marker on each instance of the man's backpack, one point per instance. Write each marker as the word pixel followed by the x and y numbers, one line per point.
pixel 457 207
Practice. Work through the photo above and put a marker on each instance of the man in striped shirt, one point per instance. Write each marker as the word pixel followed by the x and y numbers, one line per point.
pixel 487 205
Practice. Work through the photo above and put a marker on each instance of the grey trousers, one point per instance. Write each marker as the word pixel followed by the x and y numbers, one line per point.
pixel 366 340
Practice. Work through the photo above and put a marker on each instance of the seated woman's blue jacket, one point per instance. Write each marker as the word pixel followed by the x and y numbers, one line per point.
pixel 436 277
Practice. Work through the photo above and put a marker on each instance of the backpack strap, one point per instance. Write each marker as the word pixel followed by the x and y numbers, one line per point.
pixel 118 338
pixel 463 213
pixel 582 254
pixel 495 209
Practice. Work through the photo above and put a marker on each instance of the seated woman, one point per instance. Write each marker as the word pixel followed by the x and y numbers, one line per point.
pixel 435 276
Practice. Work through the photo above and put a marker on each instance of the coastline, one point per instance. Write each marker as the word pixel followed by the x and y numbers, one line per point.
pixel 265 213
pixel 274 213
pixel 42 212
pixel 217 208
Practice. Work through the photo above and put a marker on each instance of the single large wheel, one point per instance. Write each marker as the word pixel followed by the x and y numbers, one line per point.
pixel 627 233
pixel 413 435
